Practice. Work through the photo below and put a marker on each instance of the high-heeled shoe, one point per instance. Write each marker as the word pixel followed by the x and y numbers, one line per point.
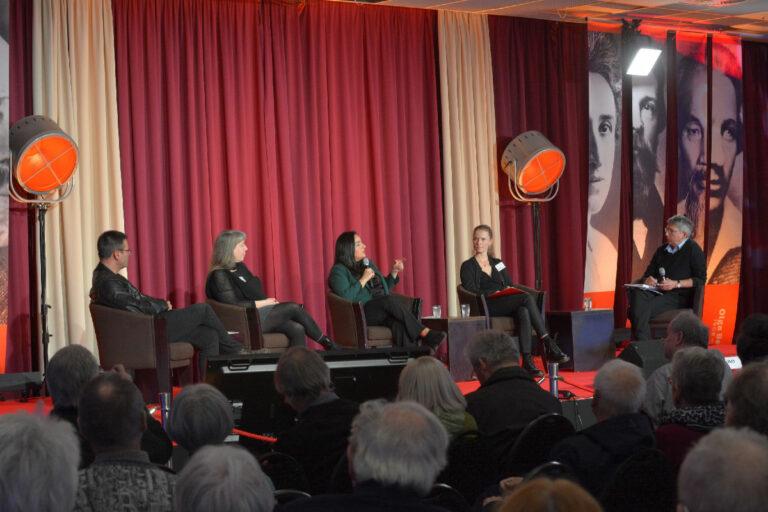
pixel 552 350
pixel 530 366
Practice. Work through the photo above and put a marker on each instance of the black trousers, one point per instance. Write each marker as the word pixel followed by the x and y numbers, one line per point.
pixel 292 320
pixel 644 305
pixel 198 324
pixel 523 307
pixel 390 312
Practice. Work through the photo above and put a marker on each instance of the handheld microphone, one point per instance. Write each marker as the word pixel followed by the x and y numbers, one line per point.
pixel 366 262
pixel 662 273
pixel 375 279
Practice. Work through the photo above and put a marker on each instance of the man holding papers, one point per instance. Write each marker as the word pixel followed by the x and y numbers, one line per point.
pixel 675 269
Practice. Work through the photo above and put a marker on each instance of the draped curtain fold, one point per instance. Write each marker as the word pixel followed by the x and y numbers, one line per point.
pixel 540 83
pixel 74 84
pixel 291 123
pixel 754 267
pixel 470 181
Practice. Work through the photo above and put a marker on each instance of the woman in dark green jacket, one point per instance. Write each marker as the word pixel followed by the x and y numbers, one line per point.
pixel 358 279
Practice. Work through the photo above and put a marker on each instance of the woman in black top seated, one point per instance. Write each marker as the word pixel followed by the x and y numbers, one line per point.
pixel 230 281
pixel 355 278
pixel 485 275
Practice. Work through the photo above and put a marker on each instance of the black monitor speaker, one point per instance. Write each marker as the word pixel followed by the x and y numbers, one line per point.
pixel 357 375
pixel 647 354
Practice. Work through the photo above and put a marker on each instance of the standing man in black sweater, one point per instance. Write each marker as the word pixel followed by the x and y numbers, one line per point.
pixel 684 267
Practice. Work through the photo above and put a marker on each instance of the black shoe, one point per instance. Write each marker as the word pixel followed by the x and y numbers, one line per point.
pixel 530 367
pixel 433 339
pixel 552 351
pixel 327 343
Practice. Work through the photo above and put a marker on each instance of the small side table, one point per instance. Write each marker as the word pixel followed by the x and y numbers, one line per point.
pixel 586 336
pixel 460 332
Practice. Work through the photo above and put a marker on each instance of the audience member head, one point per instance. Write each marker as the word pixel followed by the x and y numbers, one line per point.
pixel 752 340
pixel 685 330
pixel 426 380
pixel 38 463
pixel 301 377
pixel 491 350
pixel 619 389
pixel 747 399
pixel 200 415
pixel 111 414
pixel 223 478
pixel 697 376
pixel 345 250
pixel 69 370
pixel 224 256
pixel 397 444
pixel 726 470
pixel 545 495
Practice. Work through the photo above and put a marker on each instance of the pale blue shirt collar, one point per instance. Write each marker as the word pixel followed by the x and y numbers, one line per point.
pixel 672 249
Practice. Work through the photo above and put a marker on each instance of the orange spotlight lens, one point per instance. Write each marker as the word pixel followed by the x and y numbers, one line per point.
pixel 542 171
pixel 46 164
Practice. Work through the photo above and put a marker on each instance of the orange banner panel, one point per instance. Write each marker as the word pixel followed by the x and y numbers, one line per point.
pixel 720 302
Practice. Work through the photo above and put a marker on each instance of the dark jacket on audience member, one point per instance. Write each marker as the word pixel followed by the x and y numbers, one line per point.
pixel 366 497
pixel 154 441
pixel 596 453
pixel 509 400
pixel 319 439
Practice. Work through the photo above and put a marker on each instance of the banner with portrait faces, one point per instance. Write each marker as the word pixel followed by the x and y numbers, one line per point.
pixel 604 77
pixel 711 167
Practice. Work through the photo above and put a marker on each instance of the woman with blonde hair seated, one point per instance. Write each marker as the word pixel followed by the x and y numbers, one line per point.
pixel 426 380
pixel 545 495
pixel 229 281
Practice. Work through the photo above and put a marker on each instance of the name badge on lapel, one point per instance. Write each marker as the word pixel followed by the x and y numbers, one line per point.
pixel 500 266
pixel 241 278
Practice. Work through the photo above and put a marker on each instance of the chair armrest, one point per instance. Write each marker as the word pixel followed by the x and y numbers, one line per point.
pixel 242 319
pixel 348 321
pixel 477 304
pixel 698 300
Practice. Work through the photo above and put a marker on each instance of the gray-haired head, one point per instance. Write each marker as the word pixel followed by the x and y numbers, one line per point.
pixel 747 397
pixel 223 256
pixel 619 389
pixel 398 444
pixel 38 463
pixel 693 331
pixel 69 370
pixel 200 415
pixel 726 470
pixel 682 223
pixel 426 380
pixel 223 478
pixel 495 348
pixel 301 376
pixel 697 375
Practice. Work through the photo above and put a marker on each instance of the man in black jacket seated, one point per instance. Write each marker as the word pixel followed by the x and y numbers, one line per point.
pixel 319 437
pixel 196 324
pixel 685 267
pixel 508 398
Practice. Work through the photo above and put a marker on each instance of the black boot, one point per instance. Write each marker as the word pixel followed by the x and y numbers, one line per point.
pixel 530 367
pixel 552 351
pixel 433 339
pixel 327 343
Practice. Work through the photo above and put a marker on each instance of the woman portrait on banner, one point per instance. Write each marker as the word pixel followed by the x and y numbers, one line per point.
pixel 355 278
pixel 229 281
pixel 724 172
pixel 649 122
pixel 485 275
pixel 604 123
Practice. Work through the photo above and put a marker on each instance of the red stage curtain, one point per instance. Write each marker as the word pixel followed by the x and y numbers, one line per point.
pixel 754 266
pixel 539 82
pixel 291 123
pixel 21 345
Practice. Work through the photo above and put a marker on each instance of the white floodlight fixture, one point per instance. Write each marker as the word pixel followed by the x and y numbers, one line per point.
pixel 643 62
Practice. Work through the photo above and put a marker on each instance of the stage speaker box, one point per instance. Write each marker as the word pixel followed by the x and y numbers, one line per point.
pixel 579 412
pixel 648 355
pixel 248 382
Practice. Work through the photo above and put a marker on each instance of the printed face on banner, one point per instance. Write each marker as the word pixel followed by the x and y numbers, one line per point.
pixel 602 140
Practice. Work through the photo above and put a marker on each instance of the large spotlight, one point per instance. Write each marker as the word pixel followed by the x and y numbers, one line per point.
pixel 43 164
pixel 643 62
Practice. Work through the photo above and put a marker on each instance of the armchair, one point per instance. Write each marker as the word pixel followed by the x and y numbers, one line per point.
pixel 479 307
pixel 245 321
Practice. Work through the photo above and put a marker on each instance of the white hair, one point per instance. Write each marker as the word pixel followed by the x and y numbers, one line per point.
pixel 400 444
pixel 496 348
pixel 726 470
pixel 200 415
pixel 619 388
pixel 223 479
pixel 426 380
pixel 38 463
